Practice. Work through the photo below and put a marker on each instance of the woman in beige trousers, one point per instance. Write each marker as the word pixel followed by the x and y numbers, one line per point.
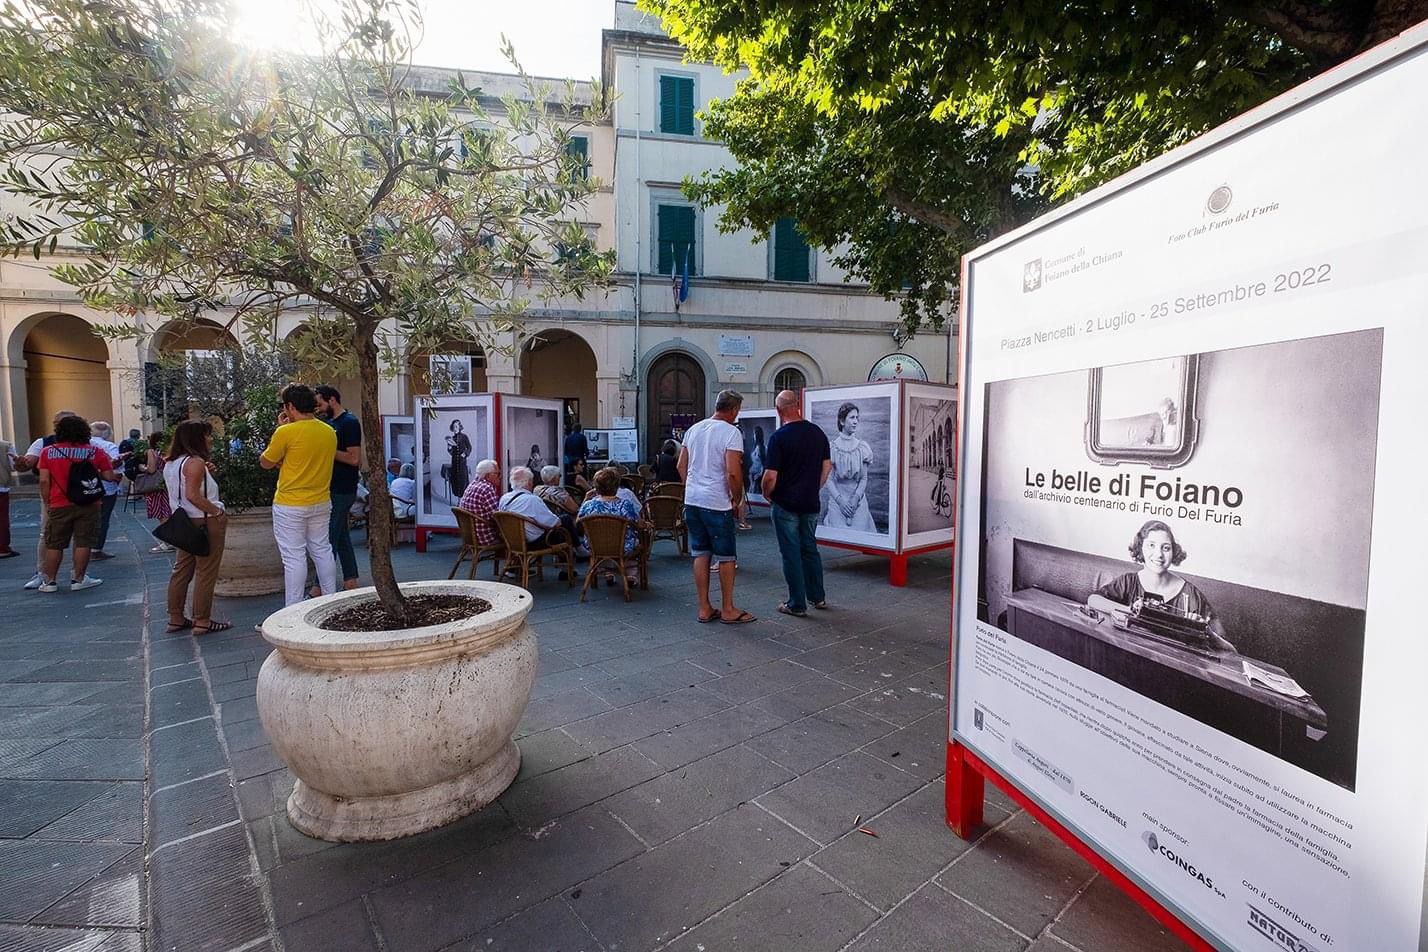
pixel 189 477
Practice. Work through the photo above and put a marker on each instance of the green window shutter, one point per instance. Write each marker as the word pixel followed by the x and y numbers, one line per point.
pixel 790 252
pixel 675 237
pixel 578 148
pixel 676 105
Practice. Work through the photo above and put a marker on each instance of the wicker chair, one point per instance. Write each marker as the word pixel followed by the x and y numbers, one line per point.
pixel 646 471
pixel 670 489
pixel 605 535
pixel 635 484
pixel 472 549
pixel 666 515
pixel 519 551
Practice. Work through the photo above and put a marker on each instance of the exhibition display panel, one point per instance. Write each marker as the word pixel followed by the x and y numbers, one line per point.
pixel 532 433
pixel 1183 630
pixel 399 438
pixel 892 486
pixel 453 433
pixel 756 426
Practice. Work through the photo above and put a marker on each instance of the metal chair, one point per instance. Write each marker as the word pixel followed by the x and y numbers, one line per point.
pixel 605 536
pixel 666 515
pixel 471 548
pixel 519 551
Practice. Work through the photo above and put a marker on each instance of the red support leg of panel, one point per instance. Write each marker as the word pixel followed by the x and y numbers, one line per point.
pixel 897 570
pixel 965 792
pixel 421 539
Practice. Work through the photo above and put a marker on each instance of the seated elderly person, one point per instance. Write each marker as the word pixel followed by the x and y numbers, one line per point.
pixel 605 500
pixel 480 500
pixel 555 494
pixel 403 490
pixel 624 492
pixel 394 470
pixel 523 502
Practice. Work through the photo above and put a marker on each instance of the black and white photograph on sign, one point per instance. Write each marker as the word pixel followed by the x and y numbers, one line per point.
pixel 857 502
pixel 756 426
pixel 533 435
pixel 1227 581
pixel 453 435
pixel 399 439
pixel 930 423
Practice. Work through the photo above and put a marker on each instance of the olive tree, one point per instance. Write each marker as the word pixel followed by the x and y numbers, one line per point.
pixel 196 177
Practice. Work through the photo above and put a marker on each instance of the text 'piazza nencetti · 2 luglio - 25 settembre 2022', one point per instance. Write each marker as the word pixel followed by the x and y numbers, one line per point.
pixel 1185 626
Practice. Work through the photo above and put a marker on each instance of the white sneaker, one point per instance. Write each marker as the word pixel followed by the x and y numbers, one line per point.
pixel 162 547
pixel 89 581
pixel 35 581
pixel 47 586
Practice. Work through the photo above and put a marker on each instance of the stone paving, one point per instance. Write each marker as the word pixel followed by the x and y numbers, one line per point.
pixel 684 787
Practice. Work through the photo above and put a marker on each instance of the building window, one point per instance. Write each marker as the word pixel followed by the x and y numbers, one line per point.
pixel 790 378
pixel 676 105
pixel 675 230
pixel 791 257
pixel 578 149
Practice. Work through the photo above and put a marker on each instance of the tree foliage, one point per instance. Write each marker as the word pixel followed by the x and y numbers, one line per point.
pixel 916 129
pixel 201 177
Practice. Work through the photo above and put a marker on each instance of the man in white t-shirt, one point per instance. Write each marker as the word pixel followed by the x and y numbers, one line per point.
pixel 101 436
pixel 711 464
pixel 524 502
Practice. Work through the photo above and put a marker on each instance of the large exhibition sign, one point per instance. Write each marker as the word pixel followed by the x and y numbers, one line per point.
pixel 1191 507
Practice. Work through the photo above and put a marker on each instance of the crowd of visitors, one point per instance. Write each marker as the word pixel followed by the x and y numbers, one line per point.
pixel 316 450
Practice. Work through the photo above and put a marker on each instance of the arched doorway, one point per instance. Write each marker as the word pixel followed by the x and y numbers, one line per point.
pixel 675 387
pixel 66 368
pixel 559 364
pixel 190 361
pixel 340 372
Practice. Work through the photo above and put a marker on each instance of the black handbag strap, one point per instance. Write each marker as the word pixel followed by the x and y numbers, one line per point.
pixel 182 461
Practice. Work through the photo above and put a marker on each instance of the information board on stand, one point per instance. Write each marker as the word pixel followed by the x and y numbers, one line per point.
pixel 1190 512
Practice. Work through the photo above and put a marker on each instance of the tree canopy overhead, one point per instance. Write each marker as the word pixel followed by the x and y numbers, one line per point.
pixel 197 177
pixel 916 129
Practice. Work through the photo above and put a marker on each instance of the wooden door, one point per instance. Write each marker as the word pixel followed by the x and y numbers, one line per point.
pixel 676 385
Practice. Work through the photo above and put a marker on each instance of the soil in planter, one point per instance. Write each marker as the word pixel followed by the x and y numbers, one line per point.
pixel 422 610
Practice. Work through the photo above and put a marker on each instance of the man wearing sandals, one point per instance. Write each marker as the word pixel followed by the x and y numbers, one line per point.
pixel 796 466
pixel 711 465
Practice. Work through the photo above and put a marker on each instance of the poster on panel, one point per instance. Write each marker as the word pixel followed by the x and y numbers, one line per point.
pixel 1190 496
pixel 532 435
pixel 858 504
pixel 929 422
pixel 454 433
pixel 756 426
pixel 399 440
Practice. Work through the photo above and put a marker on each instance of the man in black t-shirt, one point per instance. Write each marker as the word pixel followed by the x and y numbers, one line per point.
pixel 345 474
pixel 796 465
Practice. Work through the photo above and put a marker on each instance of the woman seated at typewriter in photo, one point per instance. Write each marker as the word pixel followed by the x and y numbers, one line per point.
pixel 1154 546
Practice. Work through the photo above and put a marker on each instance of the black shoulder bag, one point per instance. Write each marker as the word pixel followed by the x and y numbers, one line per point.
pixel 179 530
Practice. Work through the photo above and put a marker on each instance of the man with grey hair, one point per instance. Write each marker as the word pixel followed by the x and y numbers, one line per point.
pixel 796 466
pixel 711 465
pixel 523 502
pixel 480 500
pixel 100 435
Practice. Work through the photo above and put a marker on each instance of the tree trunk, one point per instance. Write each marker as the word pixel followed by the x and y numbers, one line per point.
pixel 379 501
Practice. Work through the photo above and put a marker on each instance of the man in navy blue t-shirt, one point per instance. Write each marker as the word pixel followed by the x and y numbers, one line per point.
pixel 796 466
pixel 345 474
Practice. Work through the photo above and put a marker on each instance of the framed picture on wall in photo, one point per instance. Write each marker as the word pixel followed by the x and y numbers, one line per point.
pixel 756 426
pixel 453 433
pixel 929 422
pixel 859 503
pixel 532 432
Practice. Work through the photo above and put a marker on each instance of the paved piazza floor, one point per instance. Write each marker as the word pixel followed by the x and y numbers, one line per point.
pixel 684 787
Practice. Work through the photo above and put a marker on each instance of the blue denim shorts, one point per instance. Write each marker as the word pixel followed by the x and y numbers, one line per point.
pixel 711 532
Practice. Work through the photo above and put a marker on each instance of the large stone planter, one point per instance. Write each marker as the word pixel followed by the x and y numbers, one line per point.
pixel 251 564
pixel 395 732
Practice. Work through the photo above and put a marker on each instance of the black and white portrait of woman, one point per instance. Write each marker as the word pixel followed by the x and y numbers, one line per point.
pixel 756 426
pixel 1155 548
pixel 458 448
pixel 858 501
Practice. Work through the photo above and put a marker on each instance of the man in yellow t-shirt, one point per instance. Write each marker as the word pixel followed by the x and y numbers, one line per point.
pixel 302 450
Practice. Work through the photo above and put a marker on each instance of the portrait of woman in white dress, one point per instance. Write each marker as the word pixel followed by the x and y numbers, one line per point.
pixel 845 501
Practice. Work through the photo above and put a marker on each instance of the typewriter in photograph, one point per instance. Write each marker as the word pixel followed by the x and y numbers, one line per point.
pixel 1151 615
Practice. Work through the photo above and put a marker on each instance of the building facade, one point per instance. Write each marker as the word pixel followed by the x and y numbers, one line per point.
pixel 761 313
